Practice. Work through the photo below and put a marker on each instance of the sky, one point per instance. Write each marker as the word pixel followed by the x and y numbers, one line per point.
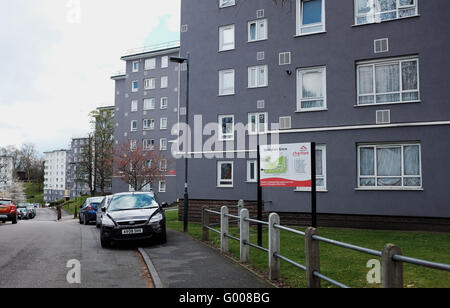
pixel 57 57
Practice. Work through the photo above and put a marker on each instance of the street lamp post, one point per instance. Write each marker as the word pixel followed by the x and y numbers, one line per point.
pixel 186 193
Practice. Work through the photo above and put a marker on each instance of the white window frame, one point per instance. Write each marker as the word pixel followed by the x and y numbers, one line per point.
pixel 258 124
pixel 148 144
pixel 133 124
pixel 135 70
pixel 300 99
pixel 323 177
pixel 162 186
pixel 258 35
pixel 161 122
pixel 376 63
pixel 219 175
pixel 299 10
pixel 133 88
pixel 164 82
pixel 153 105
pixel 374 16
pixel 164 103
pixel 150 64
pixel 134 105
pixel 226 3
pixel 227 47
pixel 133 144
pixel 163 165
pixel 149 83
pixel 258 84
pixel 402 176
pixel 163 144
pixel 225 91
pixel 165 62
pixel 249 175
pixel 222 136
pixel 151 123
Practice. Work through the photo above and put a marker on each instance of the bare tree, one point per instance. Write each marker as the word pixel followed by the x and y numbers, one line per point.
pixel 28 157
pixel 86 165
pixel 140 168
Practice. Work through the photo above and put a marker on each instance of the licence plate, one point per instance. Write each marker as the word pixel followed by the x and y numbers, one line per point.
pixel 132 231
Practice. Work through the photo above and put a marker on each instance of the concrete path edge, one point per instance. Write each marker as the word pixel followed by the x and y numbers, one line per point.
pixel 151 269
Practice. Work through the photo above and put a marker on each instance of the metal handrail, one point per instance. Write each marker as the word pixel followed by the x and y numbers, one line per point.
pixel 348 246
pixel 256 221
pixel 332 281
pixel 233 216
pixel 434 265
pixel 289 229
pixel 290 261
pixel 213 212
pixel 256 246
pixel 212 229
pixel 232 237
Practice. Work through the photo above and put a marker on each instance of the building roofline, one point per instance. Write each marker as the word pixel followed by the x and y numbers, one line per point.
pixel 150 51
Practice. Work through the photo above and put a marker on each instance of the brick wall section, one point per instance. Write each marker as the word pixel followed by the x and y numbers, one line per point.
pixel 324 220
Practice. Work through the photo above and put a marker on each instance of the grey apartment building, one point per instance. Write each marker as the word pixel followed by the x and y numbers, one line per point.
pixel 366 80
pixel 146 102
pixel 55 170
pixel 74 181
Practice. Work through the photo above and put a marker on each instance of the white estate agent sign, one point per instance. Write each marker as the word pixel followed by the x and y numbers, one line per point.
pixel 286 165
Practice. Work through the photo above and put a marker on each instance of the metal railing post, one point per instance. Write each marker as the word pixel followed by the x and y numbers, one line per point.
pixel 274 247
pixel 205 223
pixel 312 259
pixel 244 227
pixel 392 271
pixel 224 226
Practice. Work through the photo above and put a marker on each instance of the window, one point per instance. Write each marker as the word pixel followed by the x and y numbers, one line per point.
pixel 285 122
pixel 133 145
pixel 226 127
pixel 134 106
pixel 321 169
pixel 310 16
pixel 149 144
pixel 225 3
pixel 149 104
pixel 284 58
pixel 389 166
pixel 149 124
pixel 135 66
pixel 163 165
pixel 150 64
pixel 165 62
pixel 225 174
pixel 164 82
pixel 164 102
pixel 162 186
pixel 258 76
pixel 373 11
pixel 163 144
pixel 388 81
pixel 134 126
pixel 150 83
pixel 163 123
pixel 226 38
pixel 252 171
pixel 257 123
pixel 226 82
pixel 135 86
pixel 311 89
pixel 257 30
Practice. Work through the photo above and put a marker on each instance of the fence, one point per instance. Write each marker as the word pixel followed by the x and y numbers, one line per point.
pixel 391 256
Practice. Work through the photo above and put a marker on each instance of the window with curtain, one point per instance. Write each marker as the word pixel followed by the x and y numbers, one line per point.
pixel 311 89
pixel 257 123
pixel 226 82
pixel 373 11
pixel 258 76
pixel 388 81
pixel 390 166
pixel 257 30
pixel 226 128
pixel 226 38
pixel 149 104
pixel 225 174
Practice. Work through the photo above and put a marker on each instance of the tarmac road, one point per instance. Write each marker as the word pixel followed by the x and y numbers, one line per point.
pixel 35 254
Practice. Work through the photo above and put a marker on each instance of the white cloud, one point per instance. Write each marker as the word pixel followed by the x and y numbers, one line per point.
pixel 68 65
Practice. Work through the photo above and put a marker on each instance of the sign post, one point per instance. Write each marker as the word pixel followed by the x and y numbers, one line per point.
pixel 289 165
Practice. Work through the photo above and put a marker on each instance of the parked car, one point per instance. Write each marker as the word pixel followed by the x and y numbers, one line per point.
pixel 24 212
pixel 133 216
pixel 103 205
pixel 8 211
pixel 88 211
pixel 32 211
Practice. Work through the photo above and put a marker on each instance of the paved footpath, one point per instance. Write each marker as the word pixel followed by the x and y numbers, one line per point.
pixel 186 263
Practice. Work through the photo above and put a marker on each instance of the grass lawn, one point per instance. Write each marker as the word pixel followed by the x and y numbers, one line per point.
pixel 343 265
pixel 32 193
pixel 69 206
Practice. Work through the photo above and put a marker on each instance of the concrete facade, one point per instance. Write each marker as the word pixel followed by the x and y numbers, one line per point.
pixel 76 186
pixel 155 101
pixel 342 126
pixel 55 175
pixel 6 173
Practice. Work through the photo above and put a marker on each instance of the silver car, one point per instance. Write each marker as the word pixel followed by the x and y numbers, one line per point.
pixel 100 213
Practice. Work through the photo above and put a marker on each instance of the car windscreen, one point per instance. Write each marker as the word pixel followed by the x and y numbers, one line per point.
pixel 5 202
pixel 132 202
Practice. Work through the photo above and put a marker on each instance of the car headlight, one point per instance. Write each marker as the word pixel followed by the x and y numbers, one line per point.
pixel 156 218
pixel 107 222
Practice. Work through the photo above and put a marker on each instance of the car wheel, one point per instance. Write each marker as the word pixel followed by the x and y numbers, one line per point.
pixel 163 238
pixel 14 221
pixel 85 222
pixel 97 225
pixel 79 219
pixel 105 243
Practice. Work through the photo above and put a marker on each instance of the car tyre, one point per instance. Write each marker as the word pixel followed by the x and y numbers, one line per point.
pixel 163 238
pixel 105 243
pixel 14 221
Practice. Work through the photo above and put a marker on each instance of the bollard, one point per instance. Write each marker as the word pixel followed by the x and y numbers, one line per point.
pixel 274 247
pixel 312 259
pixel 244 227
pixel 392 271
pixel 224 225
pixel 205 223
